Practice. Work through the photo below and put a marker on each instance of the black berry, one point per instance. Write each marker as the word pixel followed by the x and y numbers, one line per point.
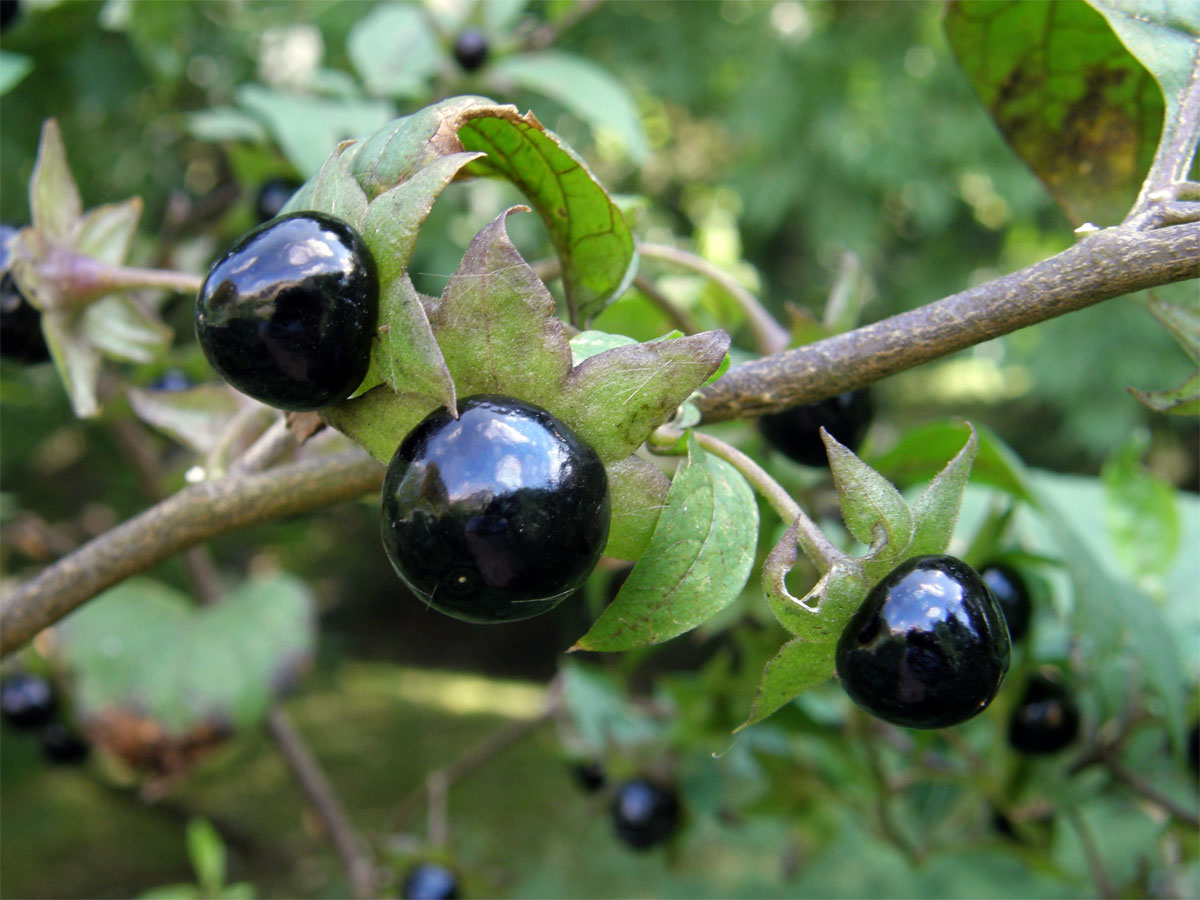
pixel 1013 595
pixel 1193 748
pixel 9 10
pixel 20 324
pixel 273 195
pixel 288 313
pixel 928 648
pixel 497 515
pixel 1045 720
pixel 62 745
pixel 589 775
pixel 171 380
pixel 430 881
pixel 27 701
pixel 644 813
pixel 471 49
pixel 796 432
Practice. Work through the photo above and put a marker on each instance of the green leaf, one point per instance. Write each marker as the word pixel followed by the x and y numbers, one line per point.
pixel 54 200
pixel 118 326
pixel 1182 321
pixel 195 416
pixel 144 649
pixel 395 50
pixel 1181 401
pixel 600 710
pixel 935 512
pixel 919 452
pixel 585 89
pixel 335 190
pixel 75 359
pixel 407 356
pixel 225 123
pixel 697 562
pixel 106 232
pixel 206 851
pixel 589 343
pixel 637 491
pixel 172 892
pixel 614 399
pixel 872 508
pixel 791 672
pixel 594 243
pixel 1164 36
pixel 308 127
pixel 1068 97
pixel 379 419
pixel 496 326
pixel 1142 519
pixel 13 68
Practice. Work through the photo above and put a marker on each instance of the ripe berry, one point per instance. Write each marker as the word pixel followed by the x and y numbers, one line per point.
pixel 273 195
pixel 471 49
pixel 20 324
pixel 288 313
pixel 1046 720
pixel 796 432
pixel 27 701
pixel 1194 748
pixel 63 746
pixel 497 515
pixel 9 9
pixel 644 813
pixel 928 648
pixel 1013 595
pixel 430 881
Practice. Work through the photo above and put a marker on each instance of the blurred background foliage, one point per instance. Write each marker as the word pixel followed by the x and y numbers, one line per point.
pixel 769 137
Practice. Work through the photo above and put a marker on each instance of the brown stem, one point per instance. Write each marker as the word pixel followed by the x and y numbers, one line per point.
pixel 1106 264
pixel 320 793
pixel 1176 149
pixel 1141 786
pixel 1104 887
pixel 197 513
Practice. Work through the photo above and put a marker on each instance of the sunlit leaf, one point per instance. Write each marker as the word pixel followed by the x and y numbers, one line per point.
pixel 395 50
pixel 13 68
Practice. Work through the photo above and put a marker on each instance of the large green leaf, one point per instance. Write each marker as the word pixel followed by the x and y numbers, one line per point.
pixel 145 649
pixel 1142 519
pixel 395 50
pixel 697 562
pixel 1066 95
pixel 496 326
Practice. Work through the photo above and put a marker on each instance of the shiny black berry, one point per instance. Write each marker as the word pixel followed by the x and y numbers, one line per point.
pixel 9 10
pixel 1045 720
pixel 288 313
pixel 589 775
pixel 497 515
pixel 796 432
pixel 27 701
pixel 1013 595
pixel 430 881
pixel 471 49
pixel 63 746
pixel 929 646
pixel 20 324
pixel 273 195
pixel 644 813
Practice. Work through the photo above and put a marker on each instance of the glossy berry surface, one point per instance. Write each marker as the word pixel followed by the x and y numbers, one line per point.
pixel 471 49
pixel 27 701
pixel 63 746
pixel 273 195
pixel 497 515
pixel 288 313
pixel 1012 593
pixel 430 881
pixel 20 324
pixel 644 813
pixel 796 432
pixel 928 647
pixel 1045 720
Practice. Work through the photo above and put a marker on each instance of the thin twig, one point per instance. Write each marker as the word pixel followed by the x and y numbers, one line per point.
pixel 680 318
pixel 271 446
pixel 769 335
pixel 1146 790
pixel 197 513
pixel 1103 265
pixel 1104 887
pixel 483 752
pixel 304 767
pixel 883 793
pixel 1176 149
